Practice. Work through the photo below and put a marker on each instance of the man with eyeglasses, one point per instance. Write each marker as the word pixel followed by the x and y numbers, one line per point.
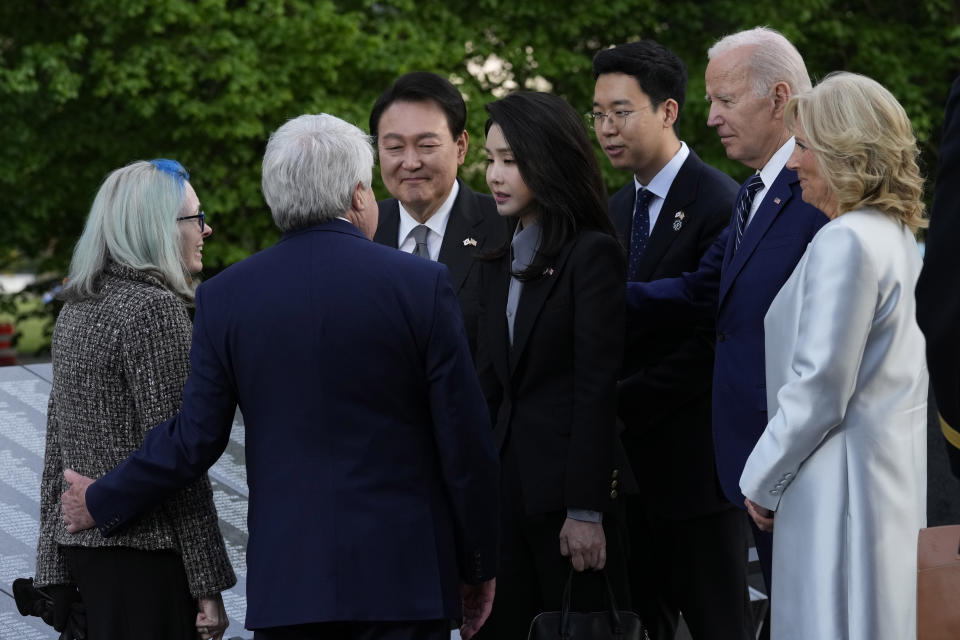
pixel 688 543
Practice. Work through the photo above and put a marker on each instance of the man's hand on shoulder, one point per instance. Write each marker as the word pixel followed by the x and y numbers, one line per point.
pixel 477 603
pixel 74 502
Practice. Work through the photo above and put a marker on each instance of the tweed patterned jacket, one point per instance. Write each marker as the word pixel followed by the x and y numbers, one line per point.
pixel 119 364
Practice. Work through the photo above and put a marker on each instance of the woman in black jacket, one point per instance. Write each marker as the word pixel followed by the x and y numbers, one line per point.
pixel 549 352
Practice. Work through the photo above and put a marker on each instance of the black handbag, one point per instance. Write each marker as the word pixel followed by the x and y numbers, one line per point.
pixel 598 625
pixel 59 605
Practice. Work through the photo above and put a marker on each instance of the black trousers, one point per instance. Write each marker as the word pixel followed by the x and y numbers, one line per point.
pixel 763 540
pixel 532 573
pixel 764 544
pixel 406 630
pixel 697 567
pixel 131 593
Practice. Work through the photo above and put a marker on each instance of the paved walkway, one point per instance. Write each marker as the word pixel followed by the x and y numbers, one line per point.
pixel 23 409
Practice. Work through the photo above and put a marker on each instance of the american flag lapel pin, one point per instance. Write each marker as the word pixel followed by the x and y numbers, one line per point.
pixel 469 242
pixel 548 271
pixel 776 201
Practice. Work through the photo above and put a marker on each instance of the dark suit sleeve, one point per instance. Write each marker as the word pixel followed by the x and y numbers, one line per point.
pixel 489 381
pixel 684 300
pixel 468 459
pixel 676 357
pixel 176 452
pixel 938 290
pixel 598 337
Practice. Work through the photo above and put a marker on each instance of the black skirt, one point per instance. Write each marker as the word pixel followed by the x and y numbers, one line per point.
pixel 131 593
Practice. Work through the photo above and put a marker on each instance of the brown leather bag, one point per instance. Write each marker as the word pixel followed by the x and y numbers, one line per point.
pixel 938 583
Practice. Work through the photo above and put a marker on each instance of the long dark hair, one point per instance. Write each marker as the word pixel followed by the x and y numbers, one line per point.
pixel 556 161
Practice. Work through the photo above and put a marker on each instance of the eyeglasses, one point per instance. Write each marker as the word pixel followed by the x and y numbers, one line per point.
pixel 618 118
pixel 199 215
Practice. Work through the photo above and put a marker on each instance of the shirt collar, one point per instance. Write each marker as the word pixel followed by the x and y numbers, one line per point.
pixel 660 185
pixel 776 163
pixel 524 246
pixel 436 223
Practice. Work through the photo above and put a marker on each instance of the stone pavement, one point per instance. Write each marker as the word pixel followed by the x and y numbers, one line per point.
pixel 23 409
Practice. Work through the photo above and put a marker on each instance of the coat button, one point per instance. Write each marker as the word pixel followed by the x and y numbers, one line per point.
pixel 721 336
pixel 615 474
pixel 613 494
pixel 774 492
pixel 613 484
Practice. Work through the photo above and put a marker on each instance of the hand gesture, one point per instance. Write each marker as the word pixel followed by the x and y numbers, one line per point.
pixel 584 543
pixel 761 516
pixel 477 603
pixel 212 620
pixel 74 502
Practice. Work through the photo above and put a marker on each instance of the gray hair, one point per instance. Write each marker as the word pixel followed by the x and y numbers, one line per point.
pixel 774 59
pixel 133 221
pixel 311 167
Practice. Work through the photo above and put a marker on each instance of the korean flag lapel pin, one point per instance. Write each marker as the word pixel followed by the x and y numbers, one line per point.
pixel 548 271
pixel 678 220
pixel 469 242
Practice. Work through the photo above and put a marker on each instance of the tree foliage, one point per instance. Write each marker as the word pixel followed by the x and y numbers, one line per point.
pixel 89 85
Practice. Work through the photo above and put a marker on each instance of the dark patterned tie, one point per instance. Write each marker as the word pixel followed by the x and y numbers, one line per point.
pixel 749 192
pixel 419 234
pixel 640 232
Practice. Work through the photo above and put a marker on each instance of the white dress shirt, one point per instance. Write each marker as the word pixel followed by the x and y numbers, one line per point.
pixel 437 223
pixel 660 185
pixel 768 174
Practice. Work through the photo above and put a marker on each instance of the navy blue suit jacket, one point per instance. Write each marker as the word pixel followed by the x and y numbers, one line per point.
pixel 372 471
pixel 739 287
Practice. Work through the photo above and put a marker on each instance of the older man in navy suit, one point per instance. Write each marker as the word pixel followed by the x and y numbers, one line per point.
pixel 372 471
pixel 750 78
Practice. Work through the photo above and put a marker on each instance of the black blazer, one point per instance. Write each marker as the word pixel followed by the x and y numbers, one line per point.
pixel 473 217
pixel 664 399
pixel 553 394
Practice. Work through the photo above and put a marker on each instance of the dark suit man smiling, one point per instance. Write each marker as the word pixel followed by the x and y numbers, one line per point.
pixel 688 543
pixel 419 126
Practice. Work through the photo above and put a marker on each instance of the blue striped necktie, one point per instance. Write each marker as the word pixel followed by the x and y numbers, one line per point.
pixel 639 231
pixel 754 184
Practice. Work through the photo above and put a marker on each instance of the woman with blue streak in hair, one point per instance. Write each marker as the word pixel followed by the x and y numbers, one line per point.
pixel 120 357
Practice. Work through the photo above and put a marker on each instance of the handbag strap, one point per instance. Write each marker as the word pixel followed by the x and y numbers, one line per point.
pixel 616 625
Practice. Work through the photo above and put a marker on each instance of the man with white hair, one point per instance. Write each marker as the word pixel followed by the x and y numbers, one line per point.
pixel 370 461
pixel 750 78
